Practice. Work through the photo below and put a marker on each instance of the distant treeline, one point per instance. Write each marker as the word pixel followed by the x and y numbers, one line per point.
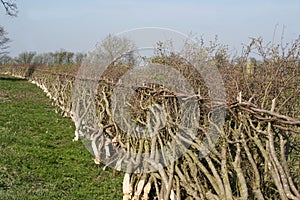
pixel 49 59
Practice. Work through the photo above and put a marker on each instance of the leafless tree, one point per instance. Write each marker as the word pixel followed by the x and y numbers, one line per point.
pixel 112 47
pixel 4 40
pixel 10 7
pixel 26 57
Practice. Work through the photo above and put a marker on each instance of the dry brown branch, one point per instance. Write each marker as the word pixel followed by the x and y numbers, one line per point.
pixel 252 158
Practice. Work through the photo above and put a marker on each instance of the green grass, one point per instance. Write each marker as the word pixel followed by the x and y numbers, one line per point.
pixel 38 159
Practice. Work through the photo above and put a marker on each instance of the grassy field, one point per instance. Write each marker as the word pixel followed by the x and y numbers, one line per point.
pixel 38 159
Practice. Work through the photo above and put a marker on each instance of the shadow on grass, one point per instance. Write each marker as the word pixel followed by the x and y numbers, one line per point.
pixel 10 78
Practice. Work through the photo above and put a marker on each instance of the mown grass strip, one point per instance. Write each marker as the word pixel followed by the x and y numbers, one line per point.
pixel 38 160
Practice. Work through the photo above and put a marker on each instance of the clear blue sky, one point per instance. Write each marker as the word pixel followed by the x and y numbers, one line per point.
pixel 77 25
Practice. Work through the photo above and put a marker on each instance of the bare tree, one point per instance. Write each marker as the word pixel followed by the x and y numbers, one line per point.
pixel 11 10
pixel 5 59
pixel 3 42
pixel 113 46
pixel 25 57
pixel 10 7
pixel 79 57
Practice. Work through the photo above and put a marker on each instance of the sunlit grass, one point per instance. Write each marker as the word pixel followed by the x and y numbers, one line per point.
pixel 38 159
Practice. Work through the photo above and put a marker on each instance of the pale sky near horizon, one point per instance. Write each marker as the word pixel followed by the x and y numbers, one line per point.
pixel 77 25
